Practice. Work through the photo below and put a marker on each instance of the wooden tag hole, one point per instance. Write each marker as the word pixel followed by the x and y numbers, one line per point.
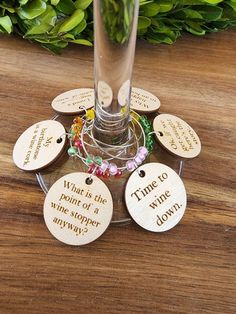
pixel 59 140
pixel 160 133
pixel 142 173
pixel 89 181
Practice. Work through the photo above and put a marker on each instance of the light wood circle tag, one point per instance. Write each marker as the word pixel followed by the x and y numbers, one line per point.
pixel 105 94
pixel 39 145
pixel 73 101
pixel 76 210
pixel 143 101
pixel 155 197
pixel 176 136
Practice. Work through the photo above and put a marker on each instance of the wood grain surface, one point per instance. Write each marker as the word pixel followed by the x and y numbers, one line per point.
pixel 189 269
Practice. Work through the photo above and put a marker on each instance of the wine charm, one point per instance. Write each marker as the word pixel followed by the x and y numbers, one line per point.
pixel 78 208
pixel 143 101
pixel 155 197
pixel 74 101
pixel 176 136
pixel 39 145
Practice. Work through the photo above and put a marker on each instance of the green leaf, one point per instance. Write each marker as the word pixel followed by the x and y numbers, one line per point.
pixel 55 48
pixel 174 24
pixel 143 22
pixel 79 28
pixel 219 25
pixel 210 12
pixel 6 24
pixel 23 2
pixel 232 4
pixel 187 3
pixel 192 14
pixel 6 7
pixel 32 9
pixel 44 22
pixel 46 40
pixel 72 21
pixel 82 42
pixel 212 1
pixel 68 36
pixel 143 2
pixel 13 18
pixel 55 29
pixel 142 32
pixel 150 9
pixel 66 6
pixel 82 4
pixel 194 28
pixel 165 5
pixel 54 2
pixel 160 38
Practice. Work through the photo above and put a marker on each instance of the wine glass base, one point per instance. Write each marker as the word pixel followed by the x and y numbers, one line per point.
pixel 66 164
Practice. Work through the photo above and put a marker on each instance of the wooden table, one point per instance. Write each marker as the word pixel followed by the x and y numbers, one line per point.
pixel 190 269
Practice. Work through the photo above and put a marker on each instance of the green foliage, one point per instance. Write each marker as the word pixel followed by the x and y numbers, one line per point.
pixel 117 18
pixel 55 23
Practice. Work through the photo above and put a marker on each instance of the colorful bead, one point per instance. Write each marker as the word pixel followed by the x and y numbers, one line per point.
pixel 75 138
pixel 130 165
pixel 76 128
pixel 90 114
pixel 98 160
pixel 99 172
pixel 123 109
pixel 78 144
pixel 143 119
pixel 150 138
pixel 149 143
pixel 135 116
pixel 118 174
pixel 141 156
pixel 78 120
pixel 91 168
pixel 89 160
pixel 138 160
pixel 104 166
pixel 106 174
pixel 143 151
pixel 113 169
pixel 72 151
pixel 147 128
pixel 73 133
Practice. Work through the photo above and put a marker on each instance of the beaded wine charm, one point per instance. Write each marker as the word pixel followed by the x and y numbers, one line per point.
pixel 108 167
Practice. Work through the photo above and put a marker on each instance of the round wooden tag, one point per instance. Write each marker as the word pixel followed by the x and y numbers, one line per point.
pixel 155 197
pixel 176 136
pixel 77 209
pixel 105 94
pixel 39 145
pixel 143 101
pixel 124 93
pixel 73 101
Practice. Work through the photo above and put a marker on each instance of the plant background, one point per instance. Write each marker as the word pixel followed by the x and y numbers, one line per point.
pixel 56 23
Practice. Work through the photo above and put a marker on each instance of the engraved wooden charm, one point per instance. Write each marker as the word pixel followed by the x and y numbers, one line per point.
pixel 39 145
pixel 76 210
pixel 143 101
pixel 176 136
pixel 73 101
pixel 155 197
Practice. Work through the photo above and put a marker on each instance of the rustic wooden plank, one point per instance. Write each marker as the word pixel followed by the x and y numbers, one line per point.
pixel 190 269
